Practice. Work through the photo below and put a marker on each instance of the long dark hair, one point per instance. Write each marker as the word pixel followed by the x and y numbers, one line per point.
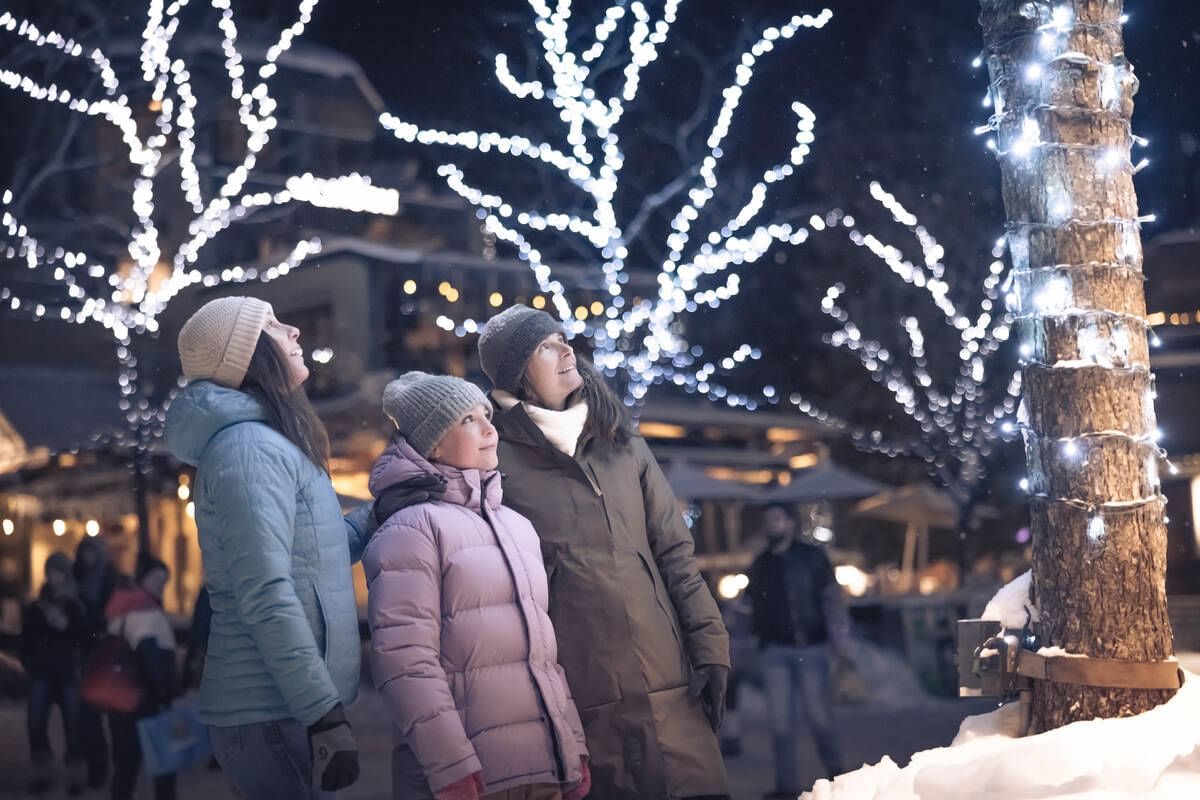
pixel 607 419
pixel 288 410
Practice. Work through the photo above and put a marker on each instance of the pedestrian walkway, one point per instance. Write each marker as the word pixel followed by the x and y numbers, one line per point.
pixel 867 735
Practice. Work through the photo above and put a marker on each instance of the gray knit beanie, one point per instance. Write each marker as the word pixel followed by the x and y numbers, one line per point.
pixel 425 407
pixel 508 341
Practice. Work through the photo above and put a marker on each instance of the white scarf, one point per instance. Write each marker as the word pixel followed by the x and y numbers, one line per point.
pixel 562 428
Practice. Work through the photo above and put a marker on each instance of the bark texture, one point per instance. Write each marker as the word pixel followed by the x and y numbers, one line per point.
pixel 1063 91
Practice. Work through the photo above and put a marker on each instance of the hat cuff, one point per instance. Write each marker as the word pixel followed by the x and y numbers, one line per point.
pixel 251 319
pixel 426 436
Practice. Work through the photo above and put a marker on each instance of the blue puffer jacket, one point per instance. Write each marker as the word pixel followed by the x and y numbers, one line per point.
pixel 277 553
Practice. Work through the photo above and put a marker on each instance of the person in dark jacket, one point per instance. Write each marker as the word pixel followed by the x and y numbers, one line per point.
pixel 135 613
pixel 96 577
pixel 640 636
pixel 799 621
pixel 52 636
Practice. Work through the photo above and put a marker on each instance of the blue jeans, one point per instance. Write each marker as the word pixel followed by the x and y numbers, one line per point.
pixel 44 695
pixel 798 692
pixel 267 760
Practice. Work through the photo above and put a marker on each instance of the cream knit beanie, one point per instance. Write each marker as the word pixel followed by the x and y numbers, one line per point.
pixel 216 343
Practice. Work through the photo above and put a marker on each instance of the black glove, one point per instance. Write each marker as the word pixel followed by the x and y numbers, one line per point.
pixel 332 751
pixel 408 492
pixel 709 683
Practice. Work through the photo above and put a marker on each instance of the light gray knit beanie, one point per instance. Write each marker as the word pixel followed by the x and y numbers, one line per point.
pixel 425 407
pixel 217 342
pixel 508 340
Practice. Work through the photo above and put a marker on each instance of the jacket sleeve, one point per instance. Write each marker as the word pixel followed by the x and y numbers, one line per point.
pixel 674 552
pixel 404 611
pixel 573 720
pixel 360 527
pixel 31 633
pixel 253 492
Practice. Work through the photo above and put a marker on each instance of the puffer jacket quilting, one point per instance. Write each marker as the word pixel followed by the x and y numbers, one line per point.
pixel 277 554
pixel 462 646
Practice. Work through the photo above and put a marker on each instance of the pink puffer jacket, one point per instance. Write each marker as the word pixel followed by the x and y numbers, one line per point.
pixel 462 647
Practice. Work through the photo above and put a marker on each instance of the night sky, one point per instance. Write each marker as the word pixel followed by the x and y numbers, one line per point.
pixel 891 85
pixel 432 61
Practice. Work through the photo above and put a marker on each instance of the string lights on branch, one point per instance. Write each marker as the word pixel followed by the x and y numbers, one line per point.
pixel 958 428
pixel 66 284
pixel 644 340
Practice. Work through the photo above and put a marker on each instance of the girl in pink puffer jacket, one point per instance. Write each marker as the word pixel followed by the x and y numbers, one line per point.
pixel 462 647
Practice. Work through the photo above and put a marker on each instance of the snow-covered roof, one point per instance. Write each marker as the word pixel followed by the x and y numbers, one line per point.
pixel 302 56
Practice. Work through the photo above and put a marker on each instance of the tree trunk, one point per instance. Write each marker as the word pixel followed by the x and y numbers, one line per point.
pixel 1064 98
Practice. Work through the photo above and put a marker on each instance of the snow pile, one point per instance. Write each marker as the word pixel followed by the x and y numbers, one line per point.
pixel 1156 754
pixel 1010 607
pixel 884 679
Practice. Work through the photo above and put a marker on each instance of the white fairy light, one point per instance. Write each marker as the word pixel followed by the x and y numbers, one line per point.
pixel 646 341
pixel 956 430
pixel 1103 339
pixel 129 298
pixel 352 192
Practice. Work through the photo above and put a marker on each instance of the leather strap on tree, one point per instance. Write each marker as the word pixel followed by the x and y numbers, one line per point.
pixel 1103 672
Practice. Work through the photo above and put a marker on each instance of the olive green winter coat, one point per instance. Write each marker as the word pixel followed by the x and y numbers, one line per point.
pixel 632 613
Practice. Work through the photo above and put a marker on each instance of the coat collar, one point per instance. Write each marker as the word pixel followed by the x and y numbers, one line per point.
pixel 471 488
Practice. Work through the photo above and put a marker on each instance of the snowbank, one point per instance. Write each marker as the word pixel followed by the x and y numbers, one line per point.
pixel 1156 754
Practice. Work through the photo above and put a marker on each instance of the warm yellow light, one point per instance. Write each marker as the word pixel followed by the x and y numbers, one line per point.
pixel 597 308
pixel 452 295
pixel 730 586
pixel 747 476
pixel 356 484
pixel 496 299
pixel 156 105
pixel 67 460
pixel 92 528
pixel 539 301
pixel 803 461
pixel 581 313
pixel 184 492
pixel 59 526
pixel 9 527
pixel 444 287
pixel 410 287
pixel 784 435
pixel 852 579
pixel 661 430
pixel 1157 318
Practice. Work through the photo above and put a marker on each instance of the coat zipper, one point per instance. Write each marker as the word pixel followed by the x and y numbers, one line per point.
pixel 537 687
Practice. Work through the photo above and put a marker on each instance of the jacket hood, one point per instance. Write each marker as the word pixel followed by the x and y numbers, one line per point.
pixel 127 600
pixel 464 487
pixel 201 411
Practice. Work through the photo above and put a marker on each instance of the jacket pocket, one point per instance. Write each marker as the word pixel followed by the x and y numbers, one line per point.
pixel 321 625
pixel 659 640
pixel 661 597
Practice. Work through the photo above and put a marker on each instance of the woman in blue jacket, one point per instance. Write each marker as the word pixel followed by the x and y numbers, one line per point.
pixel 283 651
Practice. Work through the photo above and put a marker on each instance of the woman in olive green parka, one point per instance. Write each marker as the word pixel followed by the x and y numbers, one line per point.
pixel 640 635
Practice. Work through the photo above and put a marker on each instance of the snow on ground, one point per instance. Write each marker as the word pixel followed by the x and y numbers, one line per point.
pixel 1152 755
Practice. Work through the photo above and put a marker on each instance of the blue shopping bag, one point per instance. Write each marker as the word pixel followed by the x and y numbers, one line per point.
pixel 173 740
